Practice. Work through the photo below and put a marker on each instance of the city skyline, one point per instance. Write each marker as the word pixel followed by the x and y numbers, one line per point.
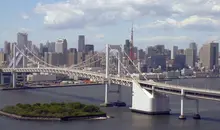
pixel 168 23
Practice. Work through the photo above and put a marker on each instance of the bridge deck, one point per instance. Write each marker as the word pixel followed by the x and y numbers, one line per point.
pixel 162 87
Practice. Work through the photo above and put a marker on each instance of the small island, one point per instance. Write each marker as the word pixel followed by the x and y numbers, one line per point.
pixel 53 111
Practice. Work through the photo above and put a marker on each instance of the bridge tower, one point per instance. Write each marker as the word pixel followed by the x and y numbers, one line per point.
pixel 119 102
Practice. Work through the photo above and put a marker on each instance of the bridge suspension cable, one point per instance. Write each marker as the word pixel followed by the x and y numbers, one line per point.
pixel 27 56
pixel 126 70
pixel 83 62
pixel 39 58
pixel 85 65
pixel 135 66
pixel 72 66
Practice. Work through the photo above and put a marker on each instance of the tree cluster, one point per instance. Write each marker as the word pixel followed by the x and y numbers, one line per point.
pixel 51 110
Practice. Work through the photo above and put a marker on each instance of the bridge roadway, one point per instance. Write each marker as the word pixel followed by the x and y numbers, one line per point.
pixel 197 93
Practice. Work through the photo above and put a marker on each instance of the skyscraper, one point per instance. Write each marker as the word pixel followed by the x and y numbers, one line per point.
pixel 208 55
pixel 51 46
pixel 174 52
pixel 193 46
pixel 61 47
pixel 22 39
pixel 81 43
pixel 89 48
pixel 127 47
pixel 7 47
pixel 189 57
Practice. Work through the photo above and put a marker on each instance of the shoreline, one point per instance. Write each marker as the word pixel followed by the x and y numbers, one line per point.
pixel 51 86
pixel 89 117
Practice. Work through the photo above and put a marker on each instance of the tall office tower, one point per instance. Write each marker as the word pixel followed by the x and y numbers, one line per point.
pixel 89 48
pixel 174 52
pixel 208 55
pixel 29 45
pixel 41 48
pixel 73 50
pixel 179 61
pixel 127 47
pixel 51 46
pixel 22 40
pixel 180 51
pixel 151 51
pixel 80 57
pixel 7 48
pixel 46 55
pixel 45 49
pixel 160 49
pixel 72 57
pixel 193 46
pixel 81 43
pixel 189 57
pixel 167 52
pixel 61 47
pixel 11 48
pixel 141 54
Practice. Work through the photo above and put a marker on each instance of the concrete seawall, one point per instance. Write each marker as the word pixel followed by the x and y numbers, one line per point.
pixel 51 86
pixel 28 118
pixel 92 117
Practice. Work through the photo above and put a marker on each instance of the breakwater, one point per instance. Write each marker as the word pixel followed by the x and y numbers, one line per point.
pixel 67 118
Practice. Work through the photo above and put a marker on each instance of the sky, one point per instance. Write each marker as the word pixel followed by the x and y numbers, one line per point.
pixel 168 22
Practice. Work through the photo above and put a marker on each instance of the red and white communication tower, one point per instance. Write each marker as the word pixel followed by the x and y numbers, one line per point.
pixel 132 44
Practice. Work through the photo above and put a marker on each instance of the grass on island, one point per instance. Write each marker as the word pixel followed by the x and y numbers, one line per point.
pixel 53 110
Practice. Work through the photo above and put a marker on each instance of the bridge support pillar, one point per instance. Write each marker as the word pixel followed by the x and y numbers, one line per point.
pixel 14 79
pixel 106 92
pixel 197 116
pixel 119 93
pixel 182 117
pixel 2 78
pixel 106 103
pixel 145 102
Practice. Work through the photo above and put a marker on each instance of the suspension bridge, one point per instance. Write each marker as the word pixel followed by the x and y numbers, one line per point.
pixel 147 96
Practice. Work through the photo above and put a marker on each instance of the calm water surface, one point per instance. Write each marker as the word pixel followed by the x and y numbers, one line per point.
pixel 124 119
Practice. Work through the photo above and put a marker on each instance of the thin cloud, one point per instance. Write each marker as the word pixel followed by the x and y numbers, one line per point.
pixel 25 16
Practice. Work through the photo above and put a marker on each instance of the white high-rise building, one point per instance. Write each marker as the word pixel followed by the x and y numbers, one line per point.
pixel 174 52
pixel 61 47
pixel 81 43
